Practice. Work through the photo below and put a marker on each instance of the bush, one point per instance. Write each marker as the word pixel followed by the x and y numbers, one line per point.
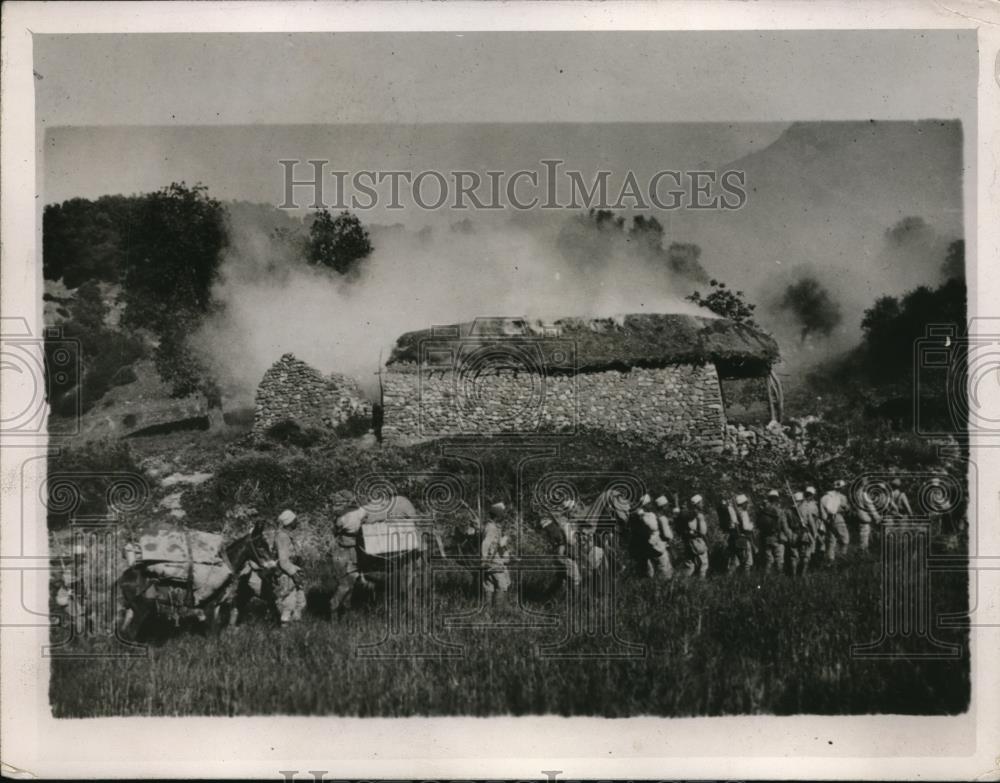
pixel 291 433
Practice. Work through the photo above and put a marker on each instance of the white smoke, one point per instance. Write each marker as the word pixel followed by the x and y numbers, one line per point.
pixel 274 303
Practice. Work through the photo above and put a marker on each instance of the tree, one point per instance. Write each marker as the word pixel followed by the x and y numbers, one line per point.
pixel 812 307
pixel 175 246
pixel 102 354
pixel 177 239
pixel 340 243
pixel 84 240
pixel 726 302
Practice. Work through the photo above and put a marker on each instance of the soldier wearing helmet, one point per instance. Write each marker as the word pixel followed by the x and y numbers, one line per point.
pixel 495 553
pixel 655 554
pixel 803 544
pixel 775 530
pixel 899 503
pixel 693 529
pixel 741 533
pixel 833 508
pixel 290 598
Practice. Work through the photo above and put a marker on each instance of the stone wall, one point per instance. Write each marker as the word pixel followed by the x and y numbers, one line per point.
pixel 292 390
pixel 639 404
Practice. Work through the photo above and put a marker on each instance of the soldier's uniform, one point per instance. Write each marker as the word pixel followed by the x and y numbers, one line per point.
pixel 290 598
pixel 775 532
pixel 72 593
pixel 693 529
pixel 804 535
pixel 833 507
pixel 899 503
pixel 741 531
pixel 495 556
pixel 812 517
pixel 867 515
pixel 657 555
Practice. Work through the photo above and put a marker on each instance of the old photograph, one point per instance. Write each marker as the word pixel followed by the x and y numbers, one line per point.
pixel 490 374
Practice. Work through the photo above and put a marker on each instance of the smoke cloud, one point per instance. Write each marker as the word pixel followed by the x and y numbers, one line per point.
pixel 272 302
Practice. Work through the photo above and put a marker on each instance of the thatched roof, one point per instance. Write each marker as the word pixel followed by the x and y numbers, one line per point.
pixel 589 345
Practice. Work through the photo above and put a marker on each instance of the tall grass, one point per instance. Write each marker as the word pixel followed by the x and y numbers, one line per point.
pixel 729 645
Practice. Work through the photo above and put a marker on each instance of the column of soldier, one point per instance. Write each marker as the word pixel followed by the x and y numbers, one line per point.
pixel 660 538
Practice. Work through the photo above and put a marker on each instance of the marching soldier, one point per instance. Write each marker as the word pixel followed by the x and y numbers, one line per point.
pixel 637 538
pixel 803 536
pixel 665 515
pixel 495 556
pixel 899 503
pixel 833 508
pixel 741 530
pixel 944 518
pixel 72 593
pixel 773 522
pixel 867 515
pixel 693 529
pixel 811 516
pixel 657 554
pixel 290 598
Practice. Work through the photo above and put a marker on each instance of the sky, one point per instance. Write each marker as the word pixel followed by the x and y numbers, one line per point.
pixel 131 113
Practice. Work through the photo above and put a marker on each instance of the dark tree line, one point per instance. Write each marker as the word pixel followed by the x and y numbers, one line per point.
pixel 164 249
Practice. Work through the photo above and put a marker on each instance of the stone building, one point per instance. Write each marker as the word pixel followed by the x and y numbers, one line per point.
pixel 292 391
pixel 644 377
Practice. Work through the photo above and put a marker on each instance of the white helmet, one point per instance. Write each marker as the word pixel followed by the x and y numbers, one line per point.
pixel 286 517
pixel 696 499
pixel 662 501
pixel 741 500
pixel 798 496
pixel 773 493
pixel 645 500
pixel 810 490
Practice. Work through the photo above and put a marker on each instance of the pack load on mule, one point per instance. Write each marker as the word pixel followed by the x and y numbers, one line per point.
pixel 181 574
pixel 191 557
pixel 391 530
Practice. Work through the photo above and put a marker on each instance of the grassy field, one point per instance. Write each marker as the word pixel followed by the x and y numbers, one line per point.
pixel 729 645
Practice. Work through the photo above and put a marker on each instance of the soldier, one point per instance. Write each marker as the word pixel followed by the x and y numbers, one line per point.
pixel 899 504
pixel 665 515
pixel 657 553
pixel 812 518
pixel 290 598
pixel 741 530
pixel 495 556
pixel 72 593
pixel 867 515
pixel 693 529
pixel 833 506
pixel 943 517
pixel 557 536
pixel 773 523
pixel 804 536
pixel 636 539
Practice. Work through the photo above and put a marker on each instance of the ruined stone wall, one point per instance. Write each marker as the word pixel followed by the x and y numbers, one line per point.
pixel 292 390
pixel 639 404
